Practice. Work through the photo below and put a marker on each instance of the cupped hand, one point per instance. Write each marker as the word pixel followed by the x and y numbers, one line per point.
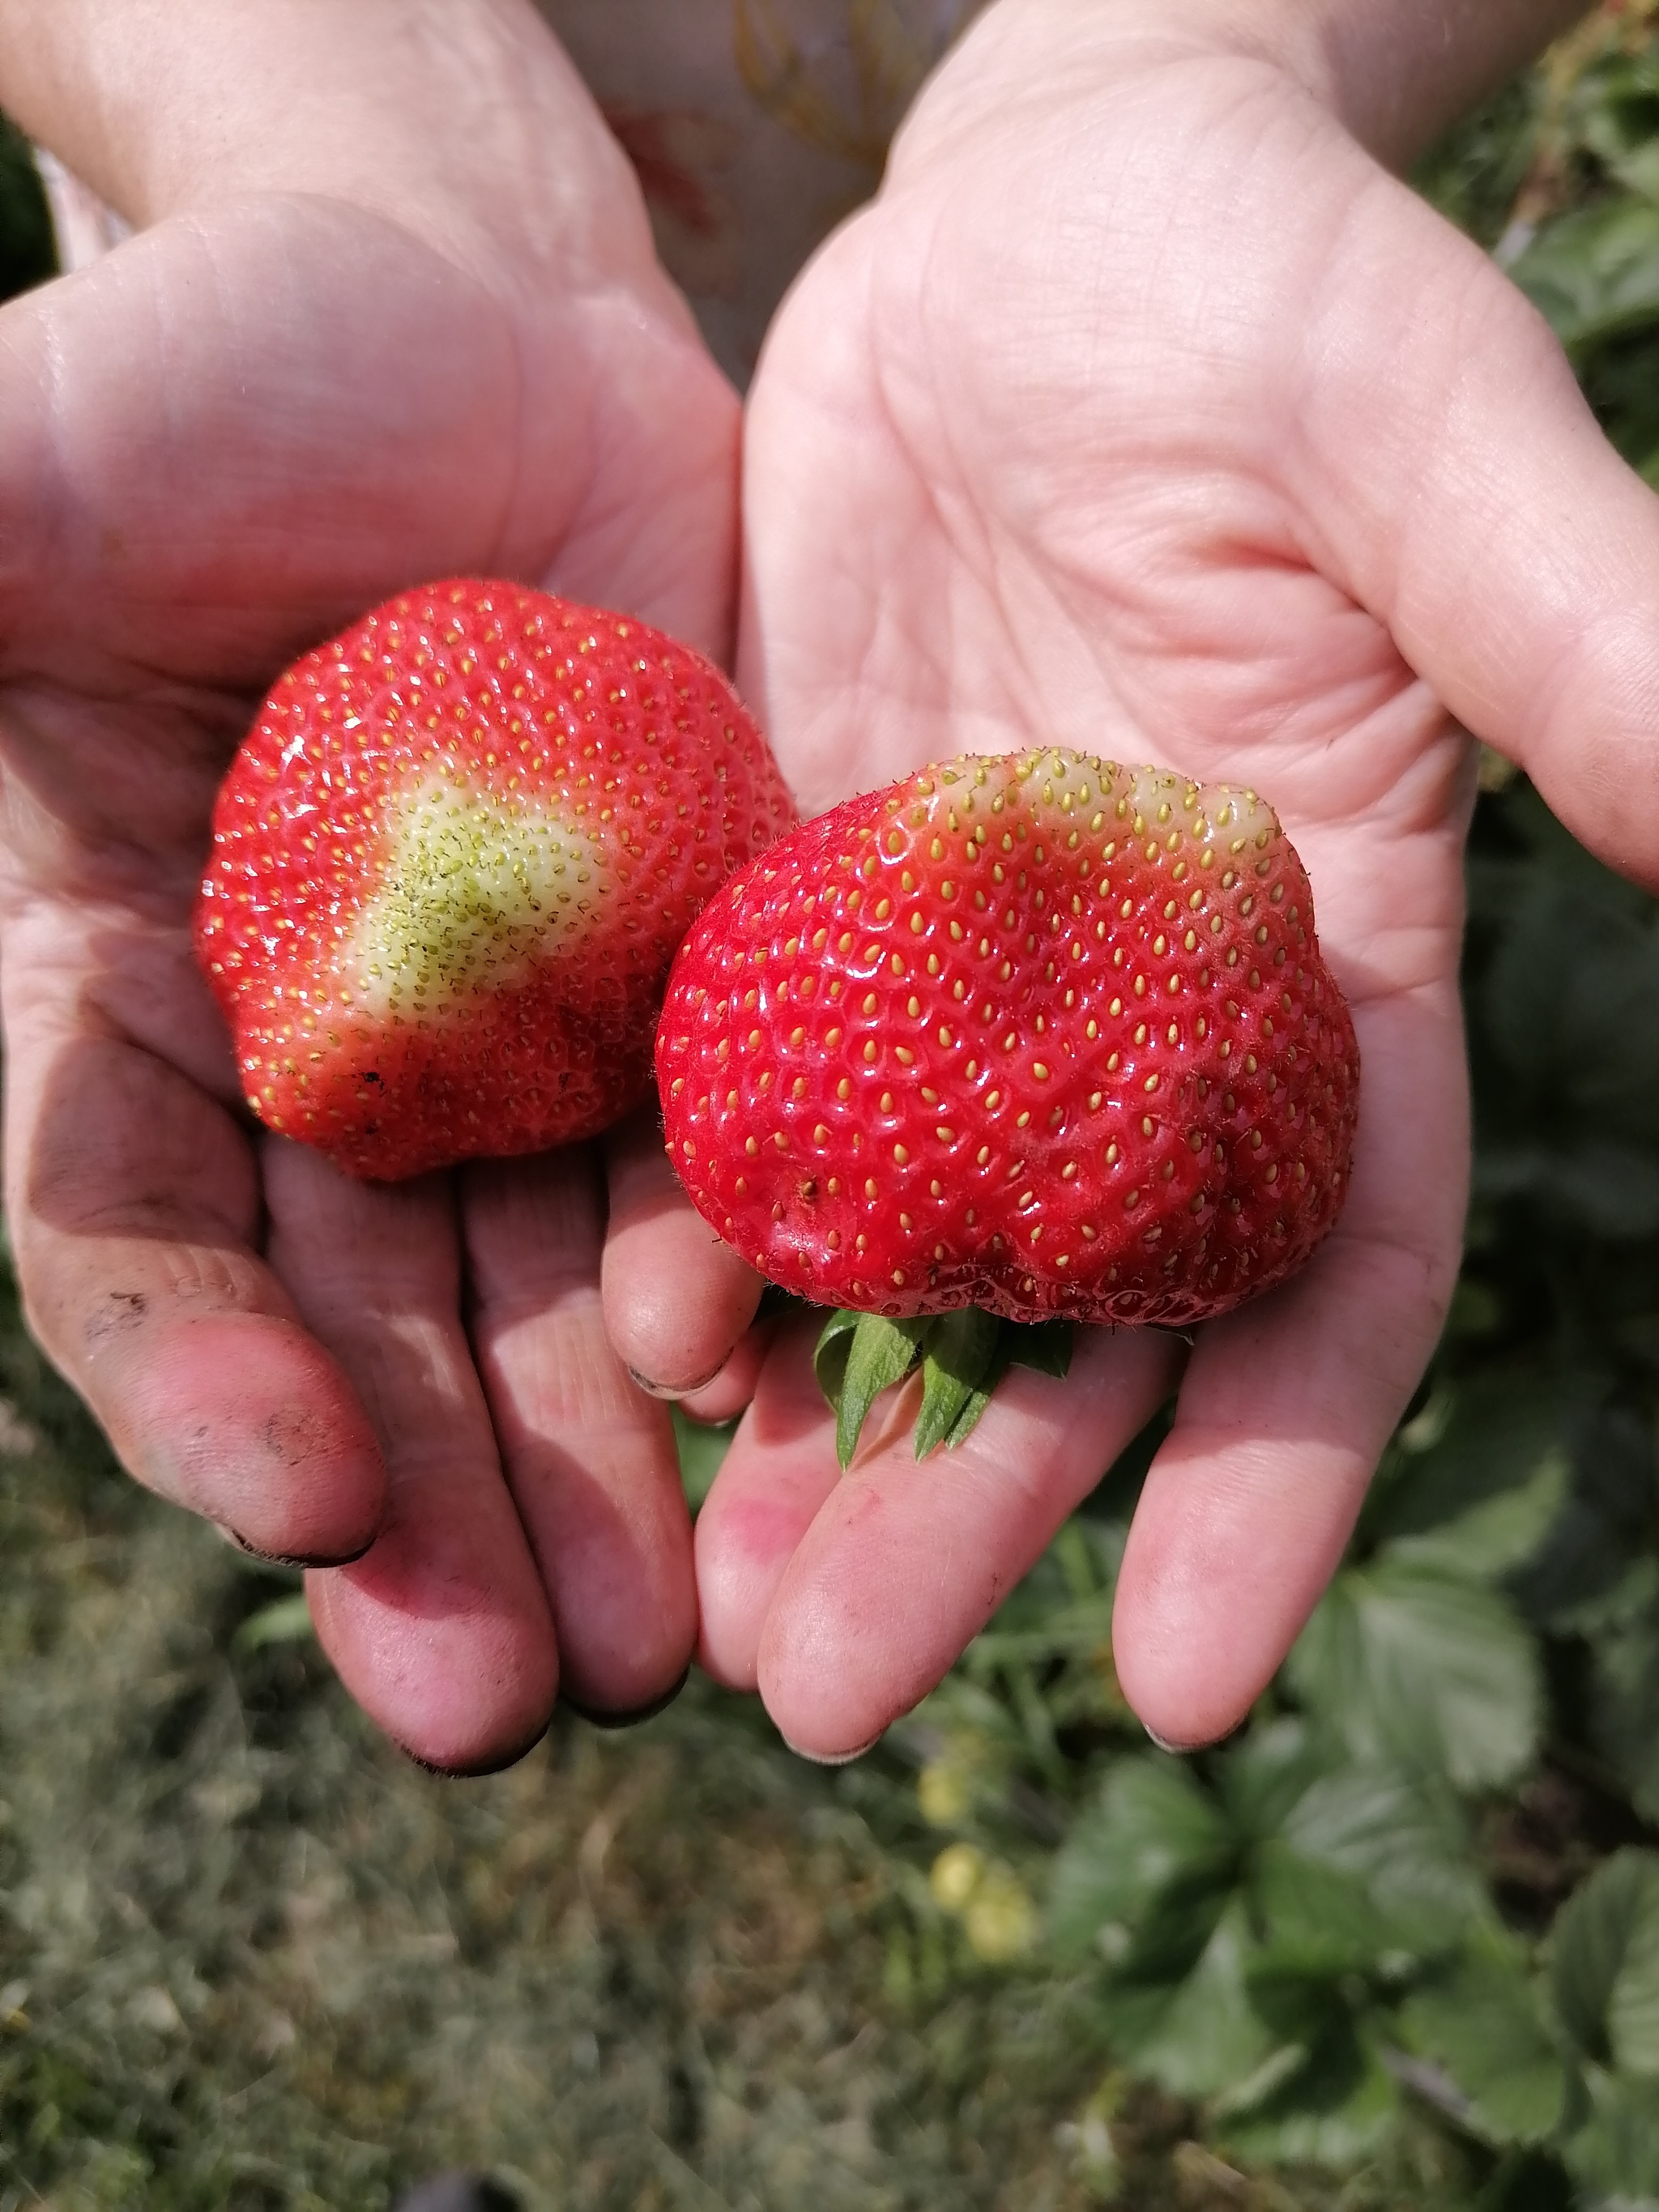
pixel 392 313
pixel 1144 412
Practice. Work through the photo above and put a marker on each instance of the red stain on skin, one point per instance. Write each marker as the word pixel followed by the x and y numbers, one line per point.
pixel 764 1529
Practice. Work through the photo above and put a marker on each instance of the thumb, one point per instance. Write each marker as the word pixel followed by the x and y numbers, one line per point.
pixel 1467 497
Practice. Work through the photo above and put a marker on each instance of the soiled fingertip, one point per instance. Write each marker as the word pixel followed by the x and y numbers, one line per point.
pixel 676 1298
pixel 674 1328
pixel 246 1419
pixel 478 1769
pixel 604 1717
pixel 299 1559
pixel 442 1632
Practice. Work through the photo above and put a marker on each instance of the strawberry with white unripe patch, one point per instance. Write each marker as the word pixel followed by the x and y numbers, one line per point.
pixel 452 863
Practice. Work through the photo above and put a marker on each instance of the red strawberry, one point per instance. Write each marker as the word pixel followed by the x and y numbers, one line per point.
pixel 1042 1033
pixel 450 864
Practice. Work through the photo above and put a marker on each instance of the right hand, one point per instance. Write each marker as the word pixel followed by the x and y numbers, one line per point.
pixel 1143 412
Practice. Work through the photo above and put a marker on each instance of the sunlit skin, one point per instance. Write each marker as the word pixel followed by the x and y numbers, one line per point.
pixel 1145 413
pixel 1142 413
pixel 333 365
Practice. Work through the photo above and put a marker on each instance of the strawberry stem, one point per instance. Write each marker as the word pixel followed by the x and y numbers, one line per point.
pixel 963 1356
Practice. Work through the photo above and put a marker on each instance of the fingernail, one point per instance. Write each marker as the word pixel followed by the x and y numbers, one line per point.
pixel 674 1389
pixel 834 1757
pixel 289 1558
pixel 600 1716
pixel 1176 1750
pixel 494 1763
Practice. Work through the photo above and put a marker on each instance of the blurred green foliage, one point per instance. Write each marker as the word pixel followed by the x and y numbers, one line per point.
pixel 27 253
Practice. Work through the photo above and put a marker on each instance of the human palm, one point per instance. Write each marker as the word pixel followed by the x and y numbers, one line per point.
pixel 335 363
pixel 1143 413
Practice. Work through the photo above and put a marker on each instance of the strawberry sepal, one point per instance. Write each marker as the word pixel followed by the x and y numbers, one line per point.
pixel 963 1356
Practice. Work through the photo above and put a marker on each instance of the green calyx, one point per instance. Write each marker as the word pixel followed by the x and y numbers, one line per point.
pixel 963 1356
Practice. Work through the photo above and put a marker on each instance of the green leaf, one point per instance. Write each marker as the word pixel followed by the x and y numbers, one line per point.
pixel 1614 107
pixel 830 1353
pixel 1624 1648
pixel 960 1350
pixel 1479 2021
pixel 1151 1832
pixel 1482 1497
pixel 1318 1922
pixel 1409 1664
pixel 1595 273
pixel 966 1354
pixel 1262 1775
pixel 1209 2038
pixel 1405 1839
pixel 1334 2109
pixel 1614 2158
pixel 284 1620
pixel 1633 2008
pixel 881 1353
pixel 1592 1939
pixel 701 1446
pixel 975 1403
pixel 1045 1345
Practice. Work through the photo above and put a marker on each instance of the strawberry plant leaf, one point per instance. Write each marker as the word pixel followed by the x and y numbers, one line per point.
pixel 1633 2008
pixel 966 1353
pixel 1151 1831
pixel 1615 2159
pixel 1407 1663
pixel 1594 274
pixel 1480 2021
pixel 1624 1633
pixel 881 1353
pixel 1580 1580
pixel 1606 1928
pixel 1332 2108
pixel 960 1349
pixel 1044 1346
pixel 1209 2036
pixel 1262 1776
pixel 1481 1497
pixel 1406 1839
pixel 1318 1922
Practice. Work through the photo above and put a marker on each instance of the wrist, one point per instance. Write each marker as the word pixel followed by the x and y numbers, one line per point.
pixel 460 119
pixel 1395 77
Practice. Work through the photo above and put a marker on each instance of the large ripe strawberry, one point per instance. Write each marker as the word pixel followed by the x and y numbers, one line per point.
pixel 450 864
pixel 1041 1035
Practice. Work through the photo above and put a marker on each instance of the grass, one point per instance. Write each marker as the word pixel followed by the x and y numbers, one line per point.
pixel 250 1957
